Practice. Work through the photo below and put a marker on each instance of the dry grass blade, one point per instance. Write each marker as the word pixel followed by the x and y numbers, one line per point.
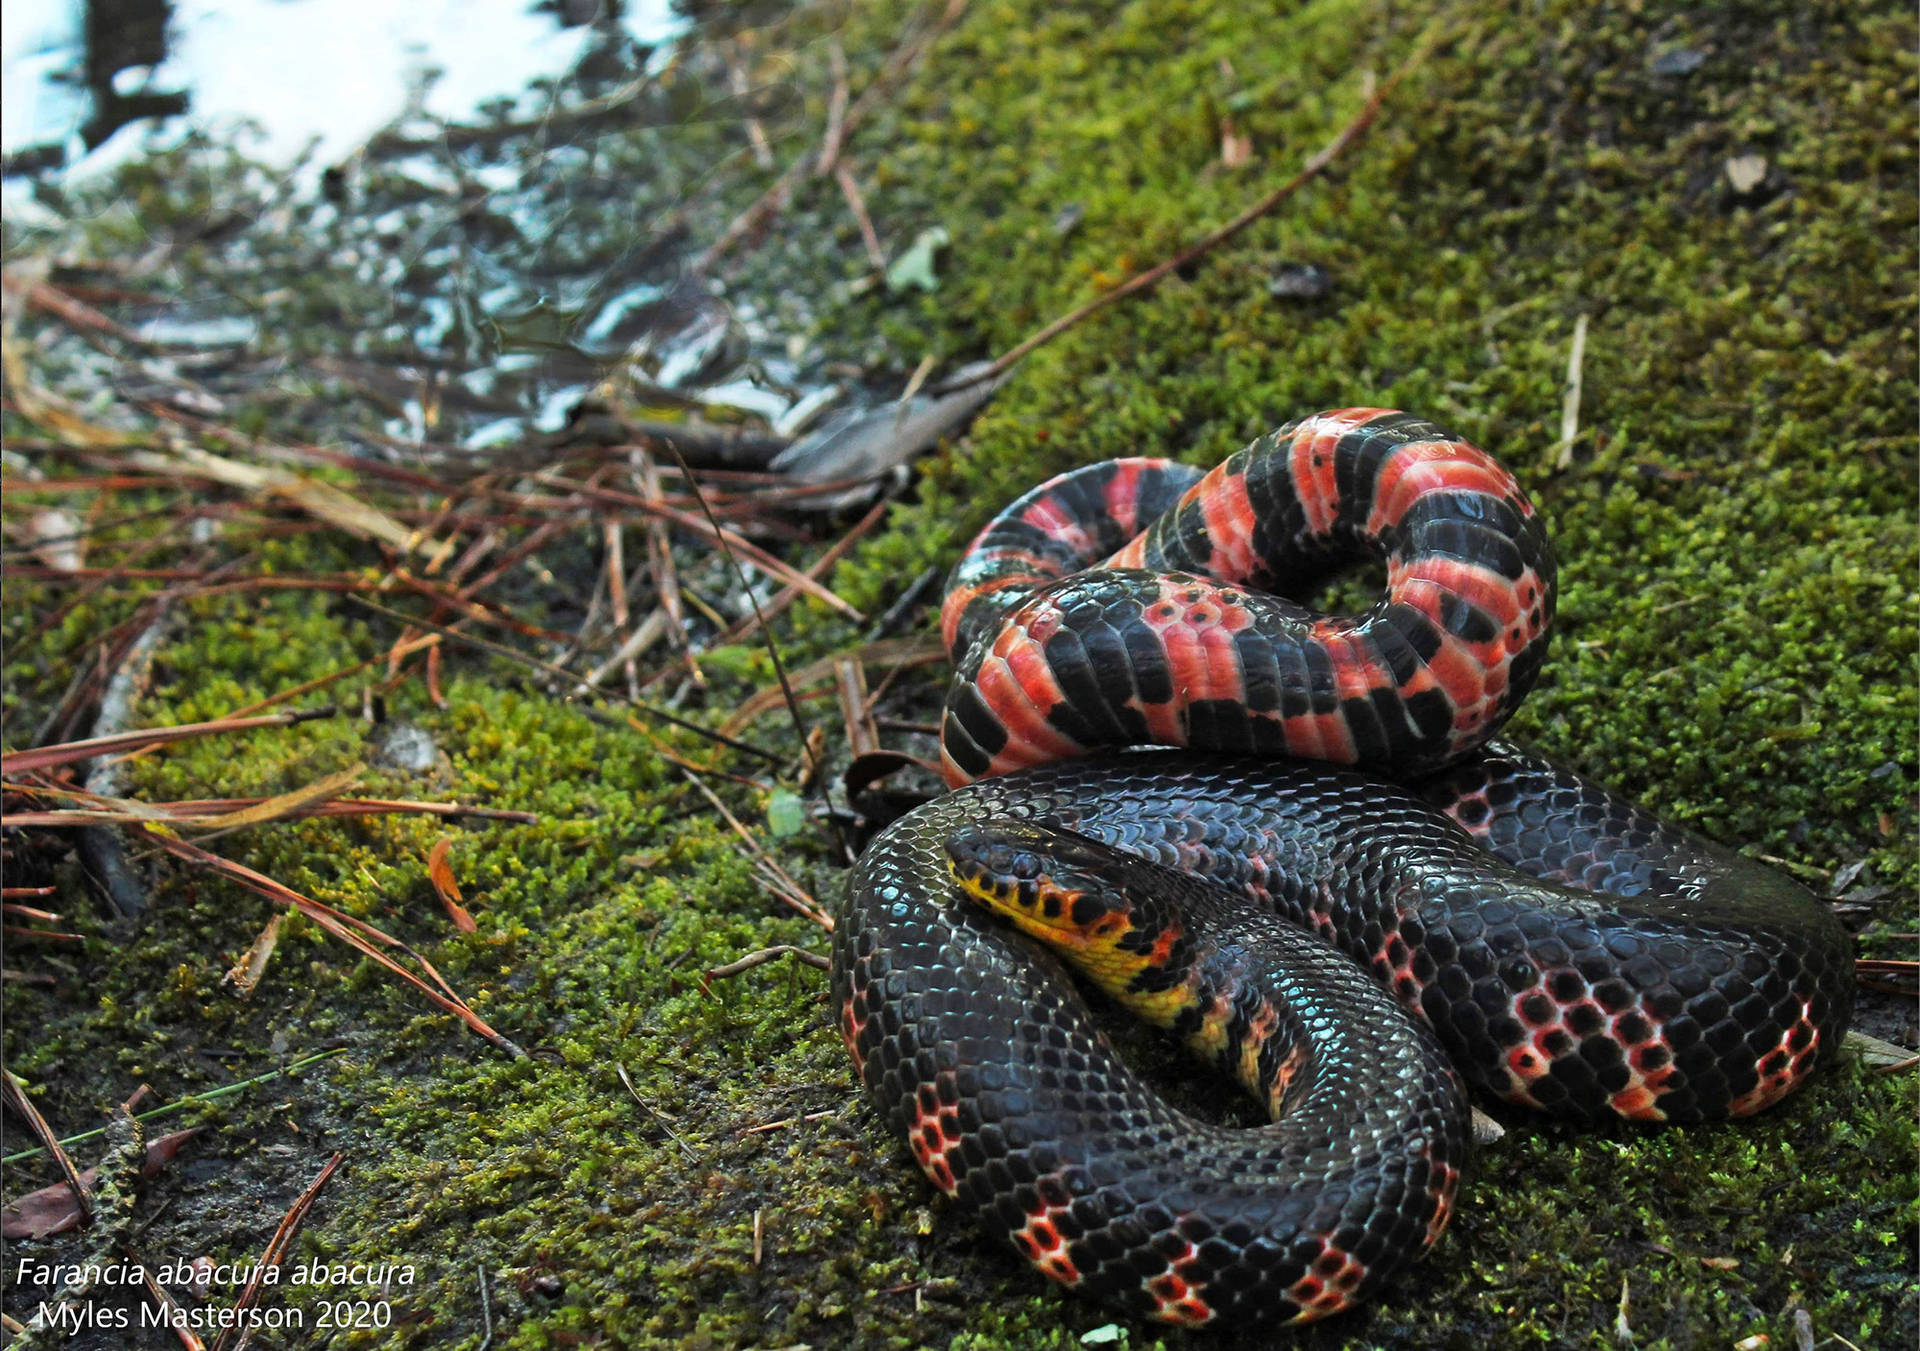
pixel 322 501
pixel 276 1253
pixel 355 932
pixel 786 1122
pixel 52 412
pixel 245 974
pixel 1570 404
pixel 282 804
pixel 650 631
pixel 656 1114
pixel 48 757
pixel 1885 1056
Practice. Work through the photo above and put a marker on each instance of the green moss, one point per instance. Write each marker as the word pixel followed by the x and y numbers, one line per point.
pixel 1736 648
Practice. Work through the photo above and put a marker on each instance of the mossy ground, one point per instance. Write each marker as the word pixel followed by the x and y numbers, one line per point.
pixel 1737 649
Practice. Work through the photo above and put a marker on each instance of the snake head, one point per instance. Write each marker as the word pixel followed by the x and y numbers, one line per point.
pixel 1068 891
pixel 1039 874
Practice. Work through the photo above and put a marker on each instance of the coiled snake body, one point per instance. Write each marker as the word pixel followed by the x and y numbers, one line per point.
pixel 1564 949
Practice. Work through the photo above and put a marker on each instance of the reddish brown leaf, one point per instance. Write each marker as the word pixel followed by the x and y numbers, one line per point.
pixel 440 873
pixel 51 1210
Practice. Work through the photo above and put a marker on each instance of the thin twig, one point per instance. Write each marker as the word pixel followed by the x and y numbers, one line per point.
pixel 765 955
pixel 1313 168
pixel 773 648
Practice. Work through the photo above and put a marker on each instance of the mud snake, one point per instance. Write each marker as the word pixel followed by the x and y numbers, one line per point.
pixel 1563 948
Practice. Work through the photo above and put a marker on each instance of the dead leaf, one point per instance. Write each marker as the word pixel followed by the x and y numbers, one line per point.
pixel 51 1210
pixel 1236 147
pixel 1744 172
pixel 247 971
pixel 440 873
